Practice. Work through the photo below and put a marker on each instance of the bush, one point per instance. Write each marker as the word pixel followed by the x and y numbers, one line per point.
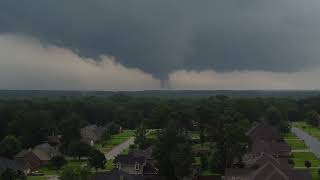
pixel 291 162
pixel 73 173
pixel 307 164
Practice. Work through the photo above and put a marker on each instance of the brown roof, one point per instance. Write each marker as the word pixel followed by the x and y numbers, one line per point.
pixel 271 147
pixel 264 131
pixel 30 158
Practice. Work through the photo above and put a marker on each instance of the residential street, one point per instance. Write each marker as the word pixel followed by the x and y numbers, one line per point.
pixel 119 148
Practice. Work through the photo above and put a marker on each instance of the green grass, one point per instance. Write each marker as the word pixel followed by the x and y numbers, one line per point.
pixel 109 165
pixel 311 130
pixel 314 173
pixel 49 171
pixel 115 140
pixel 294 142
pixel 300 158
pixel 36 178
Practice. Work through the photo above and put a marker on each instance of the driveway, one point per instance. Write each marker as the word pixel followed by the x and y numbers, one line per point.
pixel 119 149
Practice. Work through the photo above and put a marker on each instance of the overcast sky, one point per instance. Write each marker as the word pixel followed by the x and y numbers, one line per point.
pixel 154 44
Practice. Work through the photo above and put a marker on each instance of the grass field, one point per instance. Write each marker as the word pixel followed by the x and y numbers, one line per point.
pixel 116 140
pixel 294 142
pixel 313 131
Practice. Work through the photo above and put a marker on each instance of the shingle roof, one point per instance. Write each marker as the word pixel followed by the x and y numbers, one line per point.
pixel 131 158
pixel 271 147
pixel 112 175
pixel 264 131
pixel 15 165
pixel 42 155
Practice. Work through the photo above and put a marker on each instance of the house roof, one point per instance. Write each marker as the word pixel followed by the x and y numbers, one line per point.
pixel 116 174
pixel 269 171
pixel 91 132
pixel 271 147
pixel 131 158
pixel 30 158
pixel 112 175
pixel 264 131
pixel 149 169
pixel 42 155
pixel 54 140
pixel 15 165
pixel 239 171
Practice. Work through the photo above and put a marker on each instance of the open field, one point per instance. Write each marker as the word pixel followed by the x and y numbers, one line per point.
pixel 311 130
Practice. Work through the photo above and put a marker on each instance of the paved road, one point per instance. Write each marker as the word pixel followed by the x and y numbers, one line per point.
pixel 119 148
pixel 310 141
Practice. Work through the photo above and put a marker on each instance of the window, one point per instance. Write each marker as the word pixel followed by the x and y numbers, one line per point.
pixel 118 166
pixel 137 166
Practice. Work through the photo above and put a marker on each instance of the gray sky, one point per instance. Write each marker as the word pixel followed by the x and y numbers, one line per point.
pixel 134 45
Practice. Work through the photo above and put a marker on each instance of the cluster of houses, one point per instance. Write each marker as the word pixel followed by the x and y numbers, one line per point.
pixel 29 160
pixel 267 159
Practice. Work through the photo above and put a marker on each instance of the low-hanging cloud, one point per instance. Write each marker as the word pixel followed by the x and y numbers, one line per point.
pixel 27 64
pixel 162 36
pixel 246 80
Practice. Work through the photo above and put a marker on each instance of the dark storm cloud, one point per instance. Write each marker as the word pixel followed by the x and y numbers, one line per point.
pixel 160 36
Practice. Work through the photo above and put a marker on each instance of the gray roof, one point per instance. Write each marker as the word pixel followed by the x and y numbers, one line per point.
pixel 130 158
pixel 91 132
pixel 15 165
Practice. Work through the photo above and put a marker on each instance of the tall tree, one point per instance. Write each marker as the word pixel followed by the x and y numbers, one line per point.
pixel 172 153
pixel 141 137
pixel 96 159
pixel 10 146
pixel 313 118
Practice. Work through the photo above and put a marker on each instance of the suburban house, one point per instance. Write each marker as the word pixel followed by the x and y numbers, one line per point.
pixel 267 158
pixel 39 155
pixel 266 167
pixel 91 134
pixel 266 138
pixel 13 165
pixel 30 158
pixel 121 175
pixel 137 162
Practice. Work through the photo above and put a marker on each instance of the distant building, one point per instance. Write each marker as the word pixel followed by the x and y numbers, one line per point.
pixel 91 134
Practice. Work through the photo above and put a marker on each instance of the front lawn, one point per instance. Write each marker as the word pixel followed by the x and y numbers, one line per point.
pixel 115 140
pixel 36 178
pixel 294 142
pixel 299 159
pixel 311 130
